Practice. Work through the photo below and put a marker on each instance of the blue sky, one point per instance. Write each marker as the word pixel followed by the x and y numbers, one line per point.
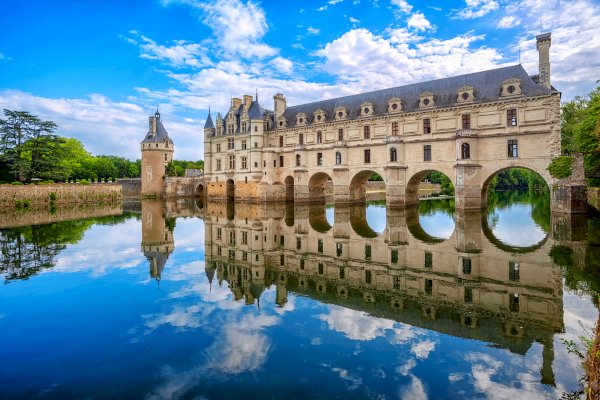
pixel 100 68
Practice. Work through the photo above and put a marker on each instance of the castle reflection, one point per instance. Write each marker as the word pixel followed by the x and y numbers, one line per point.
pixel 467 285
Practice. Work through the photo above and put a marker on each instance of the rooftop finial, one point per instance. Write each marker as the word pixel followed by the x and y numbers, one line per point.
pixel 157 113
pixel 257 95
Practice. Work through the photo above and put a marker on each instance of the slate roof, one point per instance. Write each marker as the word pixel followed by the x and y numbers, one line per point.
pixel 161 135
pixel 256 111
pixel 487 88
pixel 209 122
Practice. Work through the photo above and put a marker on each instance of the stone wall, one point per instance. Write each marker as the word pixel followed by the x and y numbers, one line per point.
pixel 593 195
pixel 131 187
pixel 34 195
pixel 183 187
pixel 39 215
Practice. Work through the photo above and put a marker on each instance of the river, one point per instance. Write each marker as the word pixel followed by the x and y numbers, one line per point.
pixel 192 300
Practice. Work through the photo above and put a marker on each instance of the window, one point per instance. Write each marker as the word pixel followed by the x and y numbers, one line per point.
pixel 465 151
pixel 428 286
pixel 428 260
pixel 244 145
pixel 230 144
pixel 232 237
pixel 394 256
pixel 367 156
pixel 281 161
pixel 367 251
pixel 342 273
pixel 513 271
pixel 340 134
pixel 367 132
pixel 230 129
pixel 338 249
pixel 165 157
pixel 321 269
pixel 466 121
pixel 232 254
pixel 243 127
pixel 280 141
pixel 301 138
pixel 511 117
pixel 427 152
pixel 468 295
pixel 255 145
pixel 244 237
pixel 256 128
pixel 244 256
pixel 466 266
pixel 298 243
pixel 320 245
pixel 319 158
pixel 218 164
pixel 514 302
pixel 368 276
pixel 513 148
pixel 338 158
pixel 396 282
pixel 218 147
pixel 426 125
pixel 219 233
pixel 394 128
pixel 244 163
pixel 297 160
pixel 274 163
pixel 302 264
pixel 393 155
pixel 319 137
pixel 231 161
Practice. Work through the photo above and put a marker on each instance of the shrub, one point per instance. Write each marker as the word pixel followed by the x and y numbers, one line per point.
pixel 52 196
pixel 560 167
pixel 17 183
pixel 18 204
pixel 84 182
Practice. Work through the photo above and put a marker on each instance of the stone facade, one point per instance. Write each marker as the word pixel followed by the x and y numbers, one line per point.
pixel 157 152
pixel 469 127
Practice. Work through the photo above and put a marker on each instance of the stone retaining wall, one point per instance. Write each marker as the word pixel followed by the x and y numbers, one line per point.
pixel 12 196
pixel 131 186
pixel 593 195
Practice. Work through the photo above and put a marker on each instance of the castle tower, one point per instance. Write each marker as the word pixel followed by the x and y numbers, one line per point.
pixel 157 152
pixel 157 236
pixel 209 133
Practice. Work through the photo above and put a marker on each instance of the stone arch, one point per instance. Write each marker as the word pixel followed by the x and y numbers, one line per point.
pixel 489 234
pixel 317 186
pixel 289 188
pixel 317 218
pixel 359 223
pixel 230 189
pixel 412 185
pixel 199 192
pixel 484 187
pixel 358 185
pixel 414 226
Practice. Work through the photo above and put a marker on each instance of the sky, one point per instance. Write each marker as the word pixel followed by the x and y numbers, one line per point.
pixel 100 68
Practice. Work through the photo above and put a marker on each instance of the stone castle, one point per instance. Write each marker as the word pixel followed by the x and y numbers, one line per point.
pixel 469 127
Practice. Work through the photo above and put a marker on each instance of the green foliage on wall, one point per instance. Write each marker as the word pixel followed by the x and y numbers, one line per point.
pixel 560 167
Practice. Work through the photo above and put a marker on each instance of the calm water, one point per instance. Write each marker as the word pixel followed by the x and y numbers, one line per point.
pixel 213 301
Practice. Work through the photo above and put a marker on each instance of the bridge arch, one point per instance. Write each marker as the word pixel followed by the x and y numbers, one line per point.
pixel 199 191
pixel 418 231
pixel 412 185
pixel 358 184
pixel 317 186
pixel 494 172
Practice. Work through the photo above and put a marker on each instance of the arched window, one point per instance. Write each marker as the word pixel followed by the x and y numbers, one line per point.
pixel 338 158
pixel 297 160
pixel 319 137
pixel 301 138
pixel 393 155
pixel 465 151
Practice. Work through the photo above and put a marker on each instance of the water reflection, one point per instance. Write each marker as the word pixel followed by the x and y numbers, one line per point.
pixel 324 301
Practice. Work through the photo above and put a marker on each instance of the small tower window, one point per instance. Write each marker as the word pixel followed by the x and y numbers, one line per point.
pixel 338 158
pixel 393 155
pixel 465 151
pixel 319 137
pixel 367 132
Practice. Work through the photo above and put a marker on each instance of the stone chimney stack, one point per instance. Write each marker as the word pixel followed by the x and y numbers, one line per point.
pixel 236 102
pixel 280 104
pixel 543 47
pixel 247 101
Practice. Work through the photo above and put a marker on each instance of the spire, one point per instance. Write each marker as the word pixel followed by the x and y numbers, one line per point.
pixel 209 122
pixel 257 95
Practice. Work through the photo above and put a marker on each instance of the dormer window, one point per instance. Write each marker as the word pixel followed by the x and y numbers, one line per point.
pixel 394 105
pixel 281 123
pixel 340 113
pixel 301 119
pixel 426 100
pixel 465 94
pixel 366 109
pixel 319 116
pixel 511 87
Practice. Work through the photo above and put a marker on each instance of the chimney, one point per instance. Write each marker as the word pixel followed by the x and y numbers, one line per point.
pixel 236 102
pixel 543 47
pixel 280 104
pixel 247 101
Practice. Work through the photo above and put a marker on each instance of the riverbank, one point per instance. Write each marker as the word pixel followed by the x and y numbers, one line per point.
pixel 23 196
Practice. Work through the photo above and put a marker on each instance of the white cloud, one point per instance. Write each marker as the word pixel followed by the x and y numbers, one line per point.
pixel 356 325
pixel 422 349
pixel 574 56
pixel 180 54
pixel 353 20
pixel 508 21
pixel 313 31
pixel 405 368
pixel 283 64
pixel 419 22
pixel 400 57
pixel 402 5
pixel 477 8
